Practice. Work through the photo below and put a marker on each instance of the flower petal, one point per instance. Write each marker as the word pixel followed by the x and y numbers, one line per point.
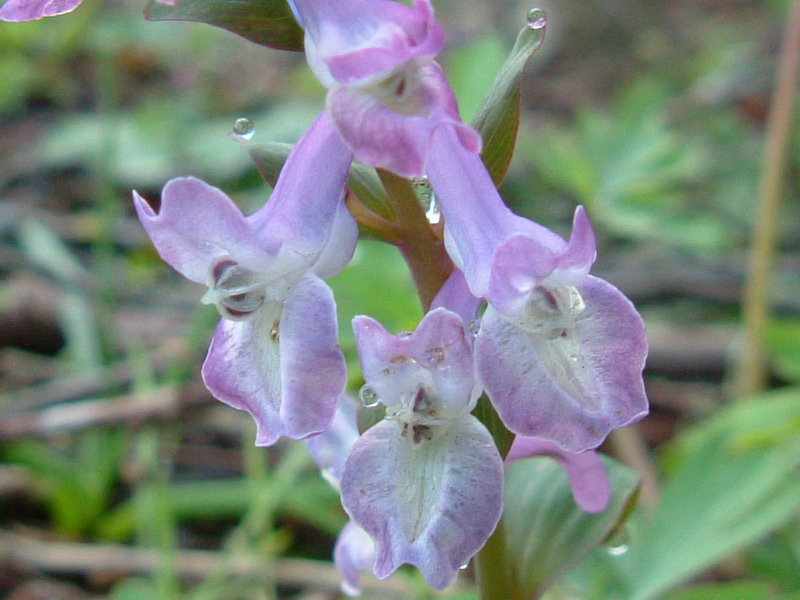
pixel 431 503
pixel 572 390
pixel 395 133
pixel 283 366
pixel 455 295
pixel 306 209
pixel 588 477
pixel 329 449
pixel 198 223
pixel 349 41
pixel 354 552
pixel 242 369
pixel 438 352
pixel 30 10
pixel 476 219
pixel 313 369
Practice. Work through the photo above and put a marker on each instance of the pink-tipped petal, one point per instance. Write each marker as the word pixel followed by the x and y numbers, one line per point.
pixel 588 478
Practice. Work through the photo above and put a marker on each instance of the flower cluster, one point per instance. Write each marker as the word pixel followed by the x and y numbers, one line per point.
pixel 558 353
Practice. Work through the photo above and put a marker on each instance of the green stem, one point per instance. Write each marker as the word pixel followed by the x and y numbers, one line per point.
pixel 423 250
pixel 753 372
pixel 496 579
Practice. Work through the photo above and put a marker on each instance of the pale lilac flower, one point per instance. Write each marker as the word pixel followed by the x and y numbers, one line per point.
pixel 588 478
pixel 426 482
pixel 354 551
pixel 31 10
pixel 275 352
pixel 560 353
pixel 386 93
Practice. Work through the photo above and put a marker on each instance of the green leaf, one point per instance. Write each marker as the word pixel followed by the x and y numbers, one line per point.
pixel 497 117
pixel 731 480
pixel 783 346
pixel 265 22
pixel 734 590
pixel 545 530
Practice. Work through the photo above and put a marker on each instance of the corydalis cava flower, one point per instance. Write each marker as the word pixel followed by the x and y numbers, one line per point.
pixel 560 353
pixel 31 10
pixel 275 352
pixel 386 93
pixel 426 482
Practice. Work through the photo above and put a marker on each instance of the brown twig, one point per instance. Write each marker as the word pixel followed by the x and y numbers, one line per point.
pixel 68 558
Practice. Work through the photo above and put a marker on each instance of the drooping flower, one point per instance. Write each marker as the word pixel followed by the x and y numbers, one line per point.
pixel 275 352
pixel 386 93
pixel 426 482
pixel 588 478
pixel 559 352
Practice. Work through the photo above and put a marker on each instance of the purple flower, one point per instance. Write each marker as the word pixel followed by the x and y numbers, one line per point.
pixel 559 352
pixel 425 483
pixel 588 477
pixel 275 352
pixel 354 551
pixel 31 10
pixel 386 94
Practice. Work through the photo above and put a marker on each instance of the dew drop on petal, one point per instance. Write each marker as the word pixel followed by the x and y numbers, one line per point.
pixel 404 334
pixel 464 566
pixel 368 396
pixel 435 355
pixel 537 18
pixel 243 128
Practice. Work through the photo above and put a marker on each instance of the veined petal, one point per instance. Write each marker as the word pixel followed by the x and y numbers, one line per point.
pixel 391 126
pixel 242 369
pixel 431 503
pixel 437 355
pixel 313 370
pixel 354 552
pixel 283 365
pixel 349 41
pixel 198 223
pixel 306 204
pixel 571 389
pixel 588 478
pixel 17 11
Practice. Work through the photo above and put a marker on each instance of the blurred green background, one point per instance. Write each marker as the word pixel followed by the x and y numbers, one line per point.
pixel 121 478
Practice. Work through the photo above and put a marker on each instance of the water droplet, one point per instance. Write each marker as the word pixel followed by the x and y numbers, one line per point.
pixel 368 396
pixel 274 332
pixel 474 326
pixel 424 190
pixel 433 214
pixel 617 542
pixel 464 566
pixel 243 128
pixel 537 18
pixel 404 334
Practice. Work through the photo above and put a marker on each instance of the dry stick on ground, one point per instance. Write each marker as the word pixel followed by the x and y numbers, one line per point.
pixel 24 552
pixel 752 374
pixel 162 403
